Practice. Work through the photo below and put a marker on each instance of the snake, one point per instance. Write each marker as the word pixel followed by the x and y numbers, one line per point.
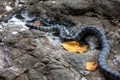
pixel 107 71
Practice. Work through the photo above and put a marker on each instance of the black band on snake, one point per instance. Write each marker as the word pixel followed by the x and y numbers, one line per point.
pixel 105 49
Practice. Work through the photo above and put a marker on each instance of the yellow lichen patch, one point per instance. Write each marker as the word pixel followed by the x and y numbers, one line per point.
pixel 73 46
pixel 37 23
pixel 90 66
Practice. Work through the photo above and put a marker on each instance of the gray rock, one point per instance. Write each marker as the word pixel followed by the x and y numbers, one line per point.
pixel 87 21
pixel 1 37
pixel 40 67
pixel 77 6
pixel 56 5
pixel 83 78
pixel 37 33
pixel 15 53
pixel 12 38
pixel 45 61
pixel 26 33
pixel 22 77
pixel 34 42
pixel 25 44
pixel 61 70
pixel 64 74
pixel 11 73
pixel 15 26
pixel 38 7
pixel 35 75
pixel 37 54
pixel 26 61
pixel 79 61
pixel 107 7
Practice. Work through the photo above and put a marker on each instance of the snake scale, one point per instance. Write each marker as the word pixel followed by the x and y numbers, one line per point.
pixel 105 48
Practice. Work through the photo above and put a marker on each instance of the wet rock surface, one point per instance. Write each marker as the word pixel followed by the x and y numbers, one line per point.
pixel 29 54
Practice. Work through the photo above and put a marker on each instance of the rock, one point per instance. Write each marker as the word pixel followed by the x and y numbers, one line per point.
pixel 79 61
pixel 29 47
pixel 86 21
pixel 40 67
pixel 15 53
pixel 1 37
pixel 83 78
pixel 46 60
pixel 12 38
pixel 34 42
pixel 53 39
pixel 3 62
pixel 35 75
pixel 22 77
pixel 26 33
pixel 107 7
pixel 13 25
pixel 12 72
pixel 49 16
pixel 61 70
pixel 37 54
pixel 26 61
pixel 64 74
pixel 26 44
pixel 77 6
pixel 55 5
pixel 37 33
pixel 37 8
pixel 1 78
pixel 114 39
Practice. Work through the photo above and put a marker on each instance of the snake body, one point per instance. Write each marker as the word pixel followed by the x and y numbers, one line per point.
pixel 105 48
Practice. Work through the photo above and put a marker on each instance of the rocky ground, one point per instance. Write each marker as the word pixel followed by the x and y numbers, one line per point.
pixel 29 54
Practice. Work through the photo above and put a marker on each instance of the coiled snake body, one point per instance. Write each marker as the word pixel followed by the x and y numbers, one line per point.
pixel 105 49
